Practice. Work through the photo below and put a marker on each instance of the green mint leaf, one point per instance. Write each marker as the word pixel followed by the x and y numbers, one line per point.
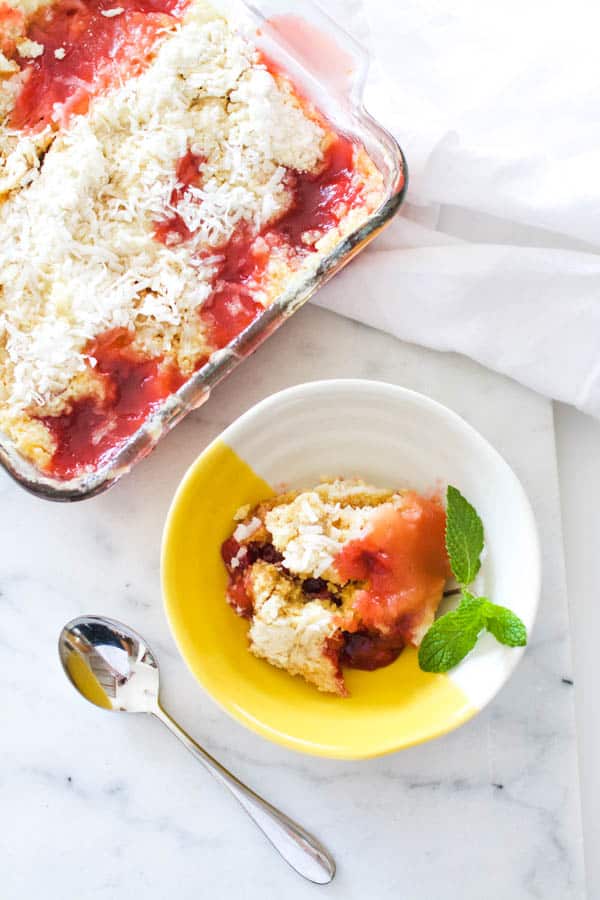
pixel 454 635
pixel 464 536
pixel 505 625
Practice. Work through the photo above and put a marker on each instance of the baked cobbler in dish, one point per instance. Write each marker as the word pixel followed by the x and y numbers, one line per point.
pixel 160 185
pixel 343 575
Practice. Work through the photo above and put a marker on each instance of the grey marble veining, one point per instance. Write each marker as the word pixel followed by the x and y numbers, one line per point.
pixel 98 805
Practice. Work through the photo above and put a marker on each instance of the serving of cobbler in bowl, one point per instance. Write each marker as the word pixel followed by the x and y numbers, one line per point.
pixel 162 183
pixel 305 568
pixel 341 575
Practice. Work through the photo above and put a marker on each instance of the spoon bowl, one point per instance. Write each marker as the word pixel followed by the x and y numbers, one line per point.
pixel 113 667
pixel 110 664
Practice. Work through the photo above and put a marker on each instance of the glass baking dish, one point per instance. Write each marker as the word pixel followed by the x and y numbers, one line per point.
pixel 330 69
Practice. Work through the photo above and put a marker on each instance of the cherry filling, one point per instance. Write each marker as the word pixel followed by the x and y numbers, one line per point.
pixel 132 386
pixel 229 550
pixel 370 650
pixel 172 229
pixel 314 587
pixel 318 205
pixel 320 200
pixel 98 50
pixel 231 307
pixel 238 558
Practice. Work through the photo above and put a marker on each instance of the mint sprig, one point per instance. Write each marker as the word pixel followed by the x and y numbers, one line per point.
pixel 455 634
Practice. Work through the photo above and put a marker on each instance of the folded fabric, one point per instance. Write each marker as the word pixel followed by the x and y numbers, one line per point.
pixel 496 110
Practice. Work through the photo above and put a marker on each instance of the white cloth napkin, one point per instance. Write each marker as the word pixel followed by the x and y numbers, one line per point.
pixel 497 109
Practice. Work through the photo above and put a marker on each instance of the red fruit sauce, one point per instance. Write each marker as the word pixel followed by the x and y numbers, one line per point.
pixel 173 229
pixel 134 385
pixel 403 561
pixel 237 595
pixel 231 307
pixel 320 200
pixel 98 51
pixel 370 650
pixel 402 558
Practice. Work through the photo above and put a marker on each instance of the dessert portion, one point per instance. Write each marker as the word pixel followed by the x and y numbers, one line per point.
pixel 160 185
pixel 343 575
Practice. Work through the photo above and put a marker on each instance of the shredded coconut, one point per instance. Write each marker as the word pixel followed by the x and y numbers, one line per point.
pixel 29 49
pixel 244 531
pixel 7 66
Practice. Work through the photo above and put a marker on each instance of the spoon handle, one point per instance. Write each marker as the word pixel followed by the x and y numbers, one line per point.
pixel 301 850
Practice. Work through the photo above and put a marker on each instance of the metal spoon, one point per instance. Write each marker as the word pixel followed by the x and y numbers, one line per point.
pixel 114 668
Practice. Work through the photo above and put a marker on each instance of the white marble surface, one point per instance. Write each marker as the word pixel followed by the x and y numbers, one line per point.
pixel 578 446
pixel 98 805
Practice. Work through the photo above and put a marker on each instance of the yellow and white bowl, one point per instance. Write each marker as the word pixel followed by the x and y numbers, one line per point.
pixel 391 437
